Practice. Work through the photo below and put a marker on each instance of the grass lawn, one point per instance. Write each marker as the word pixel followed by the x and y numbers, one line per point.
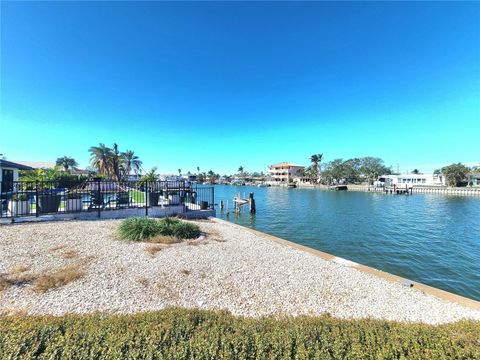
pixel 183 334
pixel 137 196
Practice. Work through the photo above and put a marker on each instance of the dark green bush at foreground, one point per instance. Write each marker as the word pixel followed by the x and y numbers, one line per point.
pixel 187 334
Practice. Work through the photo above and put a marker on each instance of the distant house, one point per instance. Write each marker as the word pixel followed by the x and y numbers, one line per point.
pixel 411 179
pixel 474 179
pixel 9 173
pixel 190 177
pixel 282 172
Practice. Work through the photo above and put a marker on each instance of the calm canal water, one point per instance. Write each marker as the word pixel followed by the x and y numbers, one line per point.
pixel 432 239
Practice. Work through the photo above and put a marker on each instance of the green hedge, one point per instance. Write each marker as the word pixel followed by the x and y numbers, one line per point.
pixel 187 334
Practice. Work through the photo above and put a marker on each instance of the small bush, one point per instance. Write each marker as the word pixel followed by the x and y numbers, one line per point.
pixel 168 226
pixel 138 229
pixel 179 229
pixel 185 230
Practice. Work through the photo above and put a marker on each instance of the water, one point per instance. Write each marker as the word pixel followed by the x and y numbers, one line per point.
pixel 432 239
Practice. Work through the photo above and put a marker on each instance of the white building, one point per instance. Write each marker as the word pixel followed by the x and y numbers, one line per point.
pixel 410 180
pixel 282 172
pixel 9 174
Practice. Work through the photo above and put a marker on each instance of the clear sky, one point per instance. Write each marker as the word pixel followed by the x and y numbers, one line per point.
pixel 219 85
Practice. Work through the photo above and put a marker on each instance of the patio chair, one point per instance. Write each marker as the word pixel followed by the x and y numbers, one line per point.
pixel 97 201
pixel 122 199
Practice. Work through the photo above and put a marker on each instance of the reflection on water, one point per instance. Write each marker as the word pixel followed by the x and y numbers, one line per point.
pixel 428 238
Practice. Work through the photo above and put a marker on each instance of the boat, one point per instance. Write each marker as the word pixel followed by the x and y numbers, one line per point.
pixel 338 187
pixel 292 186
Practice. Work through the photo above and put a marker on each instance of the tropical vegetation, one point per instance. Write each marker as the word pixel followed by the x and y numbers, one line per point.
pixel 150 175
pixel 198 334
pixel 66 163
pixel 456 174
pixel 112 163
pixel 315 159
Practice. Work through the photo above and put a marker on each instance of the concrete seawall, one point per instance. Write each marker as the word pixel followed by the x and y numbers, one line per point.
pixel 463 191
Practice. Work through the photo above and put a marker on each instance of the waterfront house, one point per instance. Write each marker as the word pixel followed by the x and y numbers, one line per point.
pixel 474 179
pixel 9 173
pixel 410 180
pixel 282 172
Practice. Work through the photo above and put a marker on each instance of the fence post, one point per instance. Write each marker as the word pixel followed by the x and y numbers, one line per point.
pixel 146 198
pixel 36 199
pixel 99 197
pixel 213 198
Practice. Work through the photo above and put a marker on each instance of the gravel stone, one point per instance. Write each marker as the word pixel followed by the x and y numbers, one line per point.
pixel 230 269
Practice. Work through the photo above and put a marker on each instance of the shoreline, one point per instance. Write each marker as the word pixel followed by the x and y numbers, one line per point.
pixel 427 289
pixel 438 190
pixel 236 269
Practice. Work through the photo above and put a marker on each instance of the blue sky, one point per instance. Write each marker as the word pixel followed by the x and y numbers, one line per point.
pixel 218 85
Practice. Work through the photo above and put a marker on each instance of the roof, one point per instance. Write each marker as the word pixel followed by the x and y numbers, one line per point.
pixel 11 164
pixel 38 164
pixel 285 164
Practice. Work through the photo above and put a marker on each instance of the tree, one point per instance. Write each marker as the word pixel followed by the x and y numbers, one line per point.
pixel 115 161
pixel 201 177
pixel 150 175
pixel 100 159
pixel 198 169
pixel 316 159
pixel 416 171
pixel 351 169
pixel 130 161
pixel 240 170
pixel 300 172
pixel 67 163
pixel 179 172
pixel 373 167
pixel 455 174
pixel 310 173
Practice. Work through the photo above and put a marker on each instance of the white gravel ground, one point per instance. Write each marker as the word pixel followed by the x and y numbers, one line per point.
pixel 231 269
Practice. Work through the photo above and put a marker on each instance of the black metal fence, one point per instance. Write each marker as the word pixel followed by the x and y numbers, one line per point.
pixel 27 198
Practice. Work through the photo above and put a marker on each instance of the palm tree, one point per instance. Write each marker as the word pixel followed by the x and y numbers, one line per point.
pixel 100 158
pixel 179 172
pixel 115 163
pixel 240 170
pixel 67 163
pixel 316 159
pixel 130 161
pixel 150 175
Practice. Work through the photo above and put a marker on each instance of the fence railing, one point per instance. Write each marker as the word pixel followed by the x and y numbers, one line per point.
pixel 34 198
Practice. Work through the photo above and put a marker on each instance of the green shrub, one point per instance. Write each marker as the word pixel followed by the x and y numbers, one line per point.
pixel 138 229
pixel 180 229
pixel 184 230
pixel 189 334
pixel 168 225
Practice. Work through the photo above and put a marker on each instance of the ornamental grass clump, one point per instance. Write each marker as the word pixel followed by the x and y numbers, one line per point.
pixel 138 229
pixel 145 229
